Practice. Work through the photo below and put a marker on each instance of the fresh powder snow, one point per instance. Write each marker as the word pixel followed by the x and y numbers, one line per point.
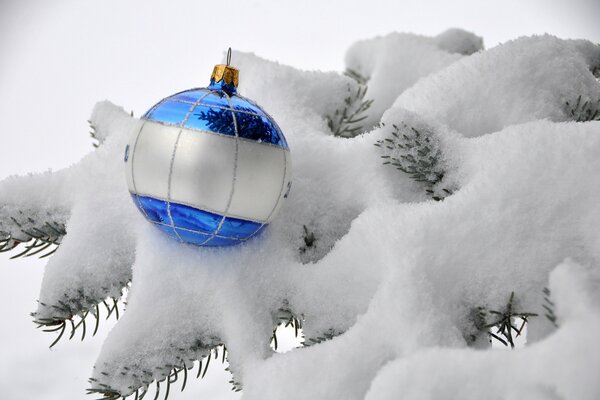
pixel 392 276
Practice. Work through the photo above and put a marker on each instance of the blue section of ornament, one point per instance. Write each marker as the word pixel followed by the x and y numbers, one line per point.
pixel 191 96
pixel 221 85
pixel 193 219
pixel 155 210
pixel 239 228
pixel 216 100
pixel 170 112
pixel 212 119
pixel 195 238
pixel 196 226
pixel 219 110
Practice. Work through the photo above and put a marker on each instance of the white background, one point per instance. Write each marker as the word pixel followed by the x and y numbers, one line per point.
pixel 58 58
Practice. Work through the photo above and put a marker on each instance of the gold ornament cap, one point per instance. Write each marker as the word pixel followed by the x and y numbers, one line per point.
pixel 226 73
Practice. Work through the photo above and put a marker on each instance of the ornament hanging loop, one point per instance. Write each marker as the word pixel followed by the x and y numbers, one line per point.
pixel 224 76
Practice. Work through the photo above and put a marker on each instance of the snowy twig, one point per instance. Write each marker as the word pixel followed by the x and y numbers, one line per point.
pixel 596 71
pixel 285 318
pixel 587 110
pixel 94 135
pixel 356 76
pixel 327 335
pixel 73 312
pixel 549 307
pixel 163 376
pixel 45 236
pixel 504 323
pixel 418 154
pixel 346 122
pixel 100 136
pixel 477 317
pixel 308 238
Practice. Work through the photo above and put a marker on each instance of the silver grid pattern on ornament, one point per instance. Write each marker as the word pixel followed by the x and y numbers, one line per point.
pixel 195 164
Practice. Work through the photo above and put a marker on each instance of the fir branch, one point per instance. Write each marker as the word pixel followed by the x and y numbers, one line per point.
pixel 356 76
pixel 235 385
pixel 327 335
pixel 596 72
pixel 74 312
pixel 38 237
pixel 97 140
pixel 345 122
pixel 504 322
pixel 416 152
pixel 160 380
pixel 549 307
pixel 477 316
pixel 99 137
pixel 308 238
pixel 583 111
pixel 285 318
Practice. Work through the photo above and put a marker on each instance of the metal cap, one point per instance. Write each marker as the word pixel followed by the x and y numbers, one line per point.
pixel 226 73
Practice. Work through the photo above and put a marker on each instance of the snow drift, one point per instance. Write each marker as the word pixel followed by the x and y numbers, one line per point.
pixel 392 276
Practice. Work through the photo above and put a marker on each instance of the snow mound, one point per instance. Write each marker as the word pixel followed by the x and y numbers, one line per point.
pixel 390 277
pixel 94 259
pixel 459 41
pixel 335 180
pixel 557 368
pixel 522 80
pixel 440 260
pixel 395 62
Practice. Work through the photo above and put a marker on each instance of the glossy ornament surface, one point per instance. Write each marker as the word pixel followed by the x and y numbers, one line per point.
pixel 208 166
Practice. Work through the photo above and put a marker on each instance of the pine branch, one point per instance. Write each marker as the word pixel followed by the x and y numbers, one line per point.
pixel 327 335
pixel 73 313
pixel 356 76
pixel 99 137
pixel 98 140
pixel 583 111
pixel 309 240
pixel 596 72
pixel 284 317
pixel 504 323
pixel 477 316
pixel 39 237
pixel 416 152
pixel 311 248
pixel 345 122
pixel 160 380
pixel 549 307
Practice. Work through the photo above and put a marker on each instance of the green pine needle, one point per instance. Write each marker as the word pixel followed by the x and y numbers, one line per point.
pixel 346 122
pixel 417 153
pixel 583 110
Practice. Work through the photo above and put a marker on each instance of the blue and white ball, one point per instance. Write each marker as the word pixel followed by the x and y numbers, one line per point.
pixel 208 167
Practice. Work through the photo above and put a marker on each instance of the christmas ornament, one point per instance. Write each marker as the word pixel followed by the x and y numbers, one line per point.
pixel 208 166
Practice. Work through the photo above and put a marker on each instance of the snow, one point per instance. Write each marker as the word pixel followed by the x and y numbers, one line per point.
pixel 456 40
pixel 445 258
pixel 100 211
pixel 525 79
pixel 34 372
pixel 395 62
pixel 393 274
pixel 561 367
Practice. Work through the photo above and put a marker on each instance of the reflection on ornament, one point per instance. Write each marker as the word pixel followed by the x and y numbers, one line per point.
pixel 207 166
